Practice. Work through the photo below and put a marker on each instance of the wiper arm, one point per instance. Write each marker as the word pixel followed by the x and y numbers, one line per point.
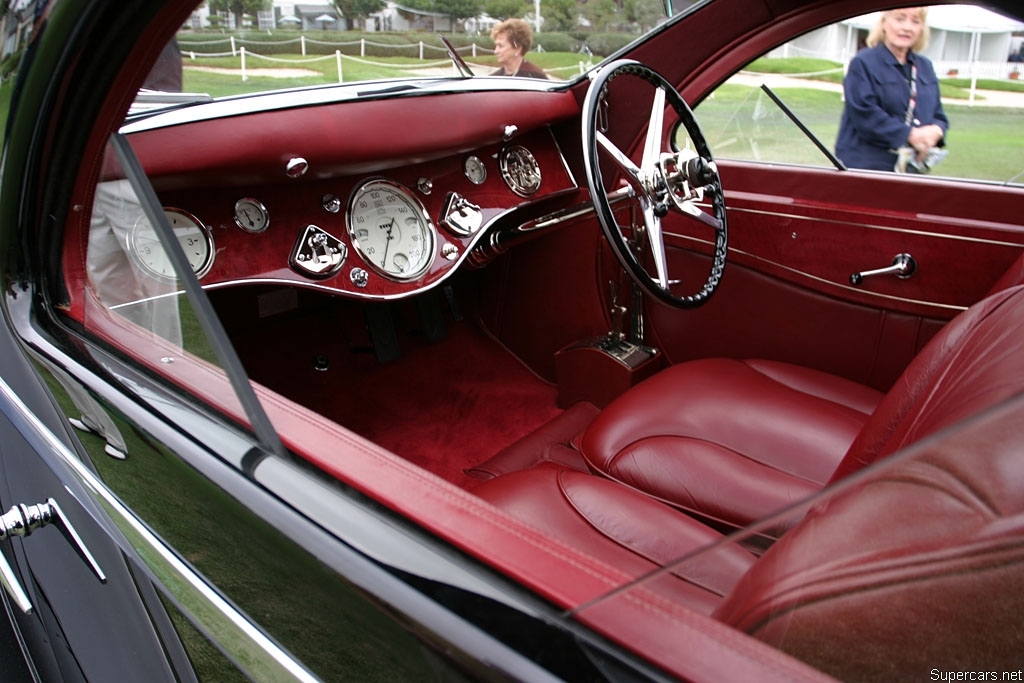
pixel 456 58
pixel 806 131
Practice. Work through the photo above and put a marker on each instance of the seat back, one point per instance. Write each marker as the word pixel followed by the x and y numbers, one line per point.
pixel 975 361
pixel 920 565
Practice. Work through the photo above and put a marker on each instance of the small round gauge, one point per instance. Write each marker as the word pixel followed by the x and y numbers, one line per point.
pixel 251 215
pixel 475 170
pixel 194 237
pixel 390 229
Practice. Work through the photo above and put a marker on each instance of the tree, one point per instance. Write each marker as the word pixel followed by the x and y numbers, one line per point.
pixel 644 13
pixel 239 7
pixel 560 15
pixel 509 9
pixel 603 15
pixel 458 9
pixel 356 11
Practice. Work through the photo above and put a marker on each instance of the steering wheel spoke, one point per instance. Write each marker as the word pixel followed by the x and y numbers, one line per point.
pixel 655 130
pixel 662 181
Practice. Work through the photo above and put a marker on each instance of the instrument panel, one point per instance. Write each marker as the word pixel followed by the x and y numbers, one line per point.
pixel 380 235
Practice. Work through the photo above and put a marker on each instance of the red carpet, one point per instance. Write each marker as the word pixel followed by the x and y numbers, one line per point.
pixel 446 406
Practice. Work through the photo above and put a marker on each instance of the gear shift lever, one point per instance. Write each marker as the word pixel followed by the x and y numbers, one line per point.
pixel 618 314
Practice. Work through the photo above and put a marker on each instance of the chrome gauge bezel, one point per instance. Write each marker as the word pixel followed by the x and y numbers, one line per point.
pixel 149 255
pixel 474 169
pixel 417 211
pixel 520 170
pixel 251 216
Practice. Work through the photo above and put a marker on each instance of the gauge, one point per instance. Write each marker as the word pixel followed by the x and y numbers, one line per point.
pixel 251 215
pixel 391 230
pixel 475 170
pixel 194 237
pixel 520 170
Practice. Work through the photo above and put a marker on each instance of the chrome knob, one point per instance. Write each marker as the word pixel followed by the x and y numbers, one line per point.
pixel 296 167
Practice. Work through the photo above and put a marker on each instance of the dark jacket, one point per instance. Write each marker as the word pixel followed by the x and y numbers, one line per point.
pixel 877 89
pixel 526 70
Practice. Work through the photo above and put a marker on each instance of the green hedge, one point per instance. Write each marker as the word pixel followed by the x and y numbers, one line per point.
pixel 604 44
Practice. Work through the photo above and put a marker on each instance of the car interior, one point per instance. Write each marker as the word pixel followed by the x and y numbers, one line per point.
pixel 485 361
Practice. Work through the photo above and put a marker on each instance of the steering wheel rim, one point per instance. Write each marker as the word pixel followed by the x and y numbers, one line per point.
pixel 664 181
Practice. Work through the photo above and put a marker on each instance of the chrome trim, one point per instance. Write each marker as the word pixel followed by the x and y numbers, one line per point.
pixel 22 520
pixel 872 226
pixel 262 658
pixel 296 167
pixel 903 266
pixel 833 283
pixel 263 102
pixel 404 193
pixel 520 170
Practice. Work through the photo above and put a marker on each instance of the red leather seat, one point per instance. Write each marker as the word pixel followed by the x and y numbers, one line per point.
pixel 919 567
pixel 736 440
pixel 914 566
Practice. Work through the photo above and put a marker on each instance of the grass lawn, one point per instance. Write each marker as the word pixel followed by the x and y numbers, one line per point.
pixel 323 70
pixel 985 143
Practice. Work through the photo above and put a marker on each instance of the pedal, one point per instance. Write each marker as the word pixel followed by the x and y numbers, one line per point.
pixel 431 319
pixel 381 327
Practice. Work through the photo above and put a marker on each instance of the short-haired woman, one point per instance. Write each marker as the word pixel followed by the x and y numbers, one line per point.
pixel 512 40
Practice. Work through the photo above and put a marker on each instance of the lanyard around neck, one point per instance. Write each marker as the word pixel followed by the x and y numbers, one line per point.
pixel 913 94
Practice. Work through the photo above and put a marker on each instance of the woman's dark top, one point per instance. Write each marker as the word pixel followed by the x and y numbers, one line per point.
pixel 526 70
pixel 877 91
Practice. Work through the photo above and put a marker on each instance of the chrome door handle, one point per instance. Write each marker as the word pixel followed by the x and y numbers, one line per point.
pixel 22 520
pixel 903 266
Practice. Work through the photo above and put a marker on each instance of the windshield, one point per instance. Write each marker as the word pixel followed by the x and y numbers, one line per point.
pixel 220 53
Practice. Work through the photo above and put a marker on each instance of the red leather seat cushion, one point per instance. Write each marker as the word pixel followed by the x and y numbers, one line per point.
pixel 732 440
pixel 622 528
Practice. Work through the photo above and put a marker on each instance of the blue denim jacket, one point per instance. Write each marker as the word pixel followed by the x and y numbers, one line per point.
pixel 877 89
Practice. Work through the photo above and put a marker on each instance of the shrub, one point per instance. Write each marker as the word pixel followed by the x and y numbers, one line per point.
pixel 604 44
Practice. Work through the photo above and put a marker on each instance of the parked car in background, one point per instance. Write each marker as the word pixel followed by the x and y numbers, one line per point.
pixel 455 377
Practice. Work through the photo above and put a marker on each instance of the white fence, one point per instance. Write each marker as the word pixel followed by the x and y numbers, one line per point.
pixel 989 70
pixel 233 47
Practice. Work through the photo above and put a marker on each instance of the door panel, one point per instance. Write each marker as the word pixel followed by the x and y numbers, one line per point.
pixel 796 235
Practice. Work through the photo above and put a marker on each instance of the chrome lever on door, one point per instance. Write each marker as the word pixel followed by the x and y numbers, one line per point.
pixel 22 520
pixel 903 266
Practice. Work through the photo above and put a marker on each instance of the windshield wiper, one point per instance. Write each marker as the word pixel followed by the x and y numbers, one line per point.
pixel 460 63
pixel 806 131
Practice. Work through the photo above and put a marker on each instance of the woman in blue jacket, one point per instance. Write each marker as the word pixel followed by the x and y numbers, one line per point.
pixel 892 96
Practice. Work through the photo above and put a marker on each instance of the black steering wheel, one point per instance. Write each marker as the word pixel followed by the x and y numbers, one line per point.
pixel 664 181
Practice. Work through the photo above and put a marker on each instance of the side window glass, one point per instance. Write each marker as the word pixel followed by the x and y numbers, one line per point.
pixel 972 57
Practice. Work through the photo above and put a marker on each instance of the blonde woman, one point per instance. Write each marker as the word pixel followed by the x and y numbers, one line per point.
pixel 892 96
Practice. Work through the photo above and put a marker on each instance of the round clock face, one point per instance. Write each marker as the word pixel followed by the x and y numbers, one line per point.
pixel 390 230
pixel 251 215
pixel 475 170
pixel 149 254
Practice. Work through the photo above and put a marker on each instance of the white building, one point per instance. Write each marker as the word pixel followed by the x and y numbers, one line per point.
pixel 960 35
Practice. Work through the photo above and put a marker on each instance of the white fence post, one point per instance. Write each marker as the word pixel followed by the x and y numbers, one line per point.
pixel 302 41
pixel 244 76
pixel 362 48
pixel 234 52
pixel 421 50
pixel 337 56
